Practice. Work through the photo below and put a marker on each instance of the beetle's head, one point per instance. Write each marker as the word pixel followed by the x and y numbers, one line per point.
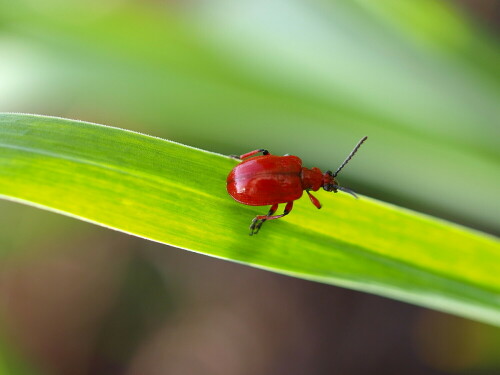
pixel 329 179
pixel 331 184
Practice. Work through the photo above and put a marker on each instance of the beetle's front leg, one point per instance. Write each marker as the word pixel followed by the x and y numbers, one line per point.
pixel 313 199
pixel 261 219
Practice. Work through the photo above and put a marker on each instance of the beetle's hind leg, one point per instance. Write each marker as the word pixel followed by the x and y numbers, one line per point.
pixel 261 219
pixel 252 153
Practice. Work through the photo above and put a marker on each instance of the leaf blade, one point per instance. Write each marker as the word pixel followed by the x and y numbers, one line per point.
pixel 174 194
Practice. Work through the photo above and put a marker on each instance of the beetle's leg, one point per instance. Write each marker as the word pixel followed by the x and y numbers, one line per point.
pixel 287 210
pixel 259 220
pixel 254 152
pixel 313 199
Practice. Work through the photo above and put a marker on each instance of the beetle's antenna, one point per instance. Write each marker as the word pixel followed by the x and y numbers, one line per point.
pixel 346 190
pixel 349 158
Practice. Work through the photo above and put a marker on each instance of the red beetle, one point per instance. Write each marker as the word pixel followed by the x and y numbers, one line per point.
pixel 271 180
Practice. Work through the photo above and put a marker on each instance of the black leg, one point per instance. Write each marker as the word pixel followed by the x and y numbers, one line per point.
pixel 261 219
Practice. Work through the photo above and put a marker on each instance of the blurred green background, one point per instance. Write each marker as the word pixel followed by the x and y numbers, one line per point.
pixel 421 79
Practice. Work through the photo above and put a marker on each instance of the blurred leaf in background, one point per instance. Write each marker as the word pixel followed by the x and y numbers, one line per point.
pixel 291 76
pixel 421 79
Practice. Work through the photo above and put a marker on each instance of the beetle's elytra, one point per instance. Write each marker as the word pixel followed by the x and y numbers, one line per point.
pixel 270 180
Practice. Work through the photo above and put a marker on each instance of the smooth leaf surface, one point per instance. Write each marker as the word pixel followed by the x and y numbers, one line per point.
pixel 174 194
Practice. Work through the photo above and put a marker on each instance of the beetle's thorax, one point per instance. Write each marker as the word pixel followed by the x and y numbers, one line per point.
pixel 312 179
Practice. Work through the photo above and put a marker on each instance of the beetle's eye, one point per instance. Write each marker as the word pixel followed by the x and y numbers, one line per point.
pixel 328 187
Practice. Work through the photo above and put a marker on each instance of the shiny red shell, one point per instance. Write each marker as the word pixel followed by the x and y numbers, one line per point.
pixel 270 179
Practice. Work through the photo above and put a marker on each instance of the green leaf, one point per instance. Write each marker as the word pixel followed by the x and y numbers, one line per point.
pixel 175 194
